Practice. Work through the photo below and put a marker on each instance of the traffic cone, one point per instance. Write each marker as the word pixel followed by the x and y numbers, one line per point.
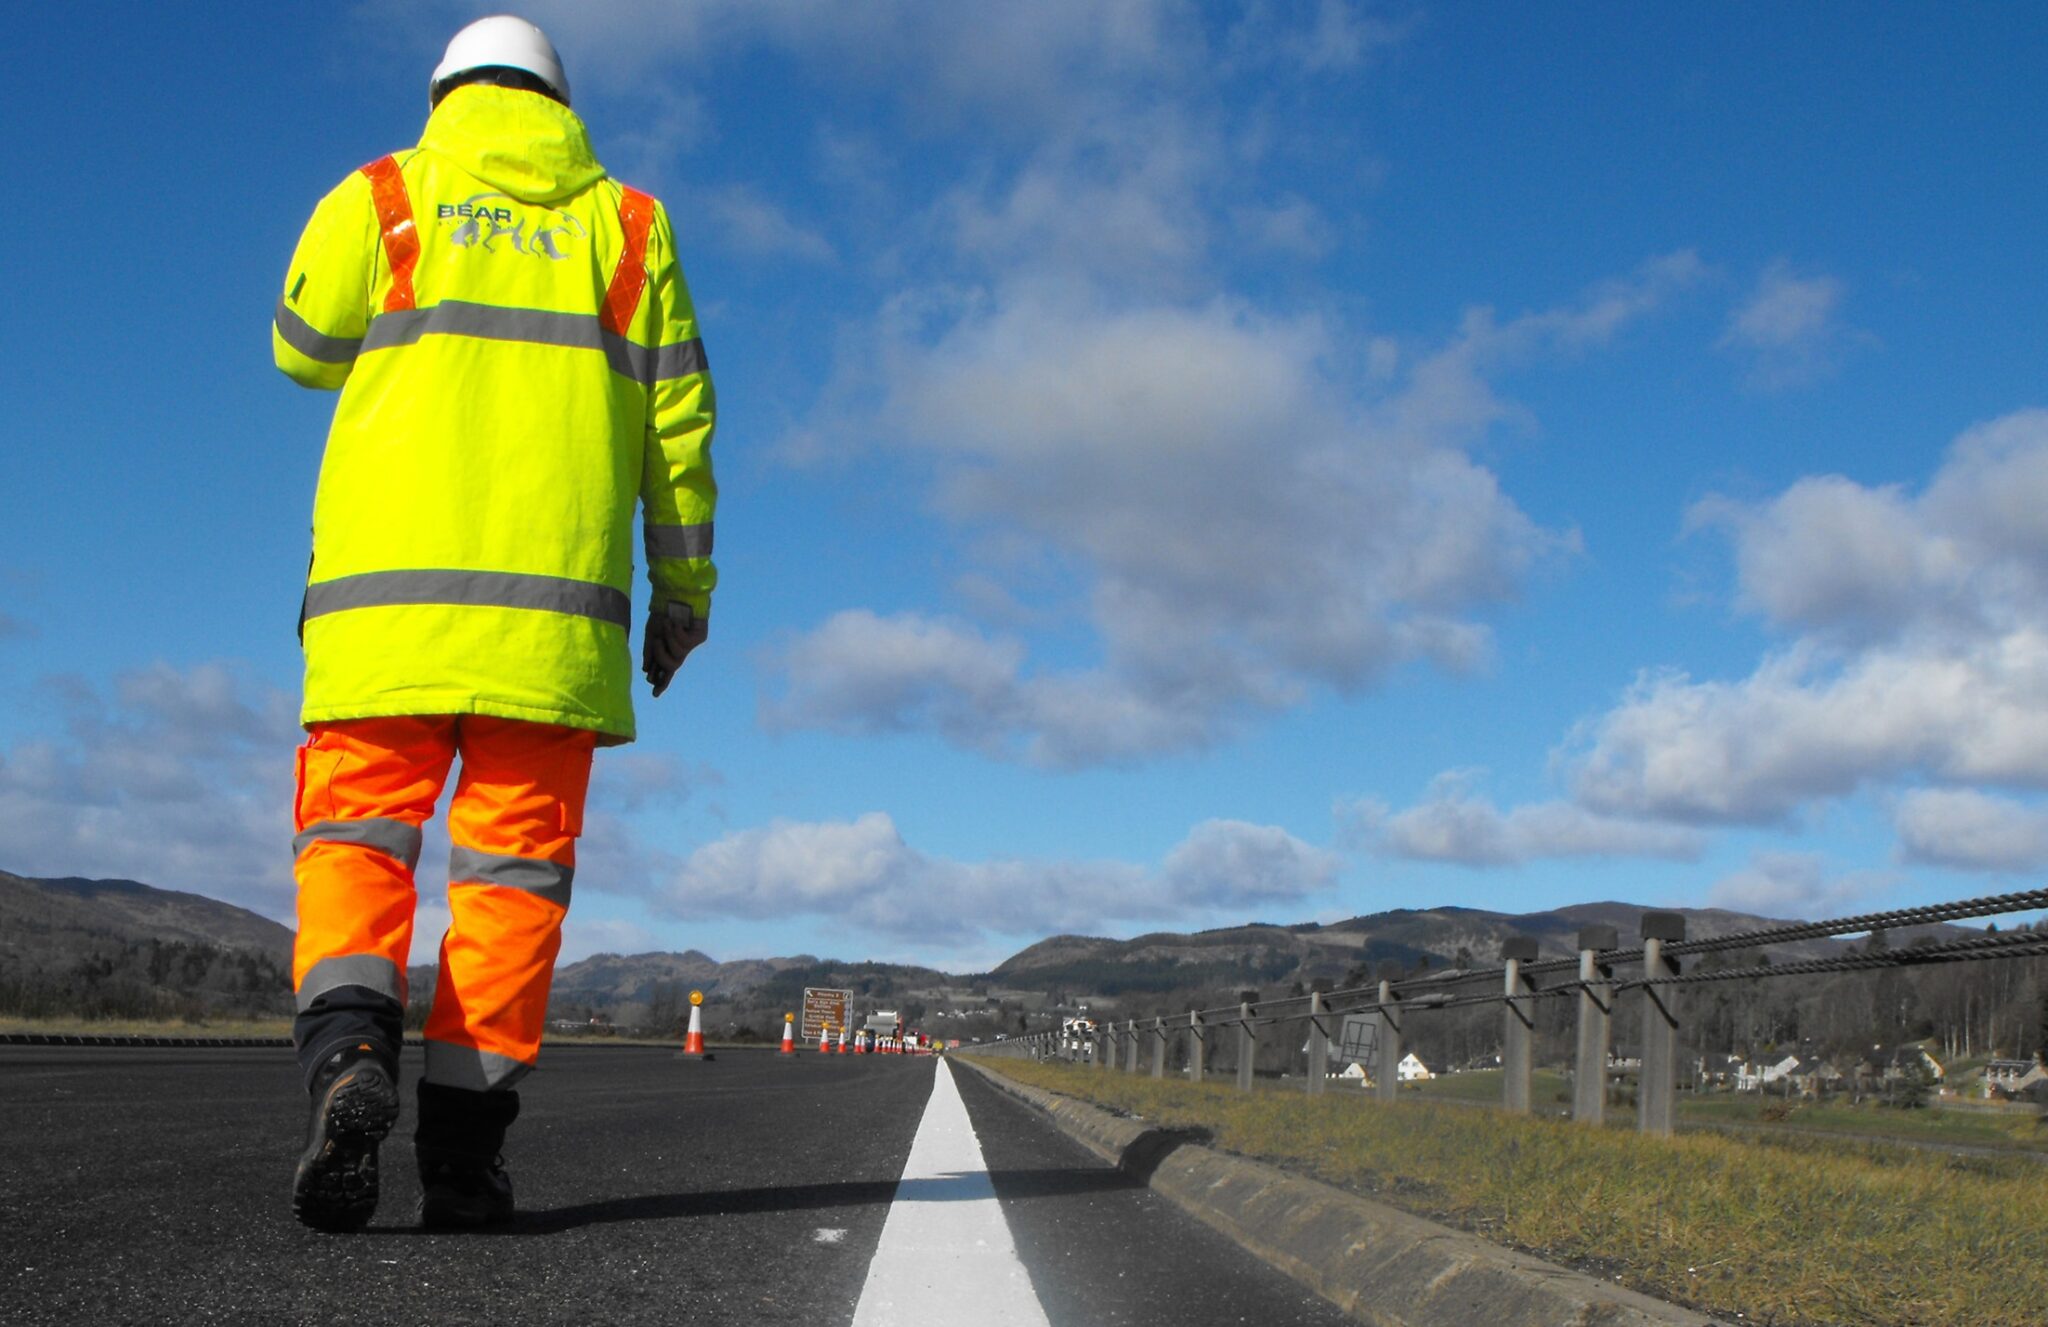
pixel 842 1038
pixel 860 1043
pixel 825 1039
pixel 789 1034
pixel 693 1040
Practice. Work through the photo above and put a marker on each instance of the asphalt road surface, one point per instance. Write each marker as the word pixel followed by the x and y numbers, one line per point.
pixel 151 1186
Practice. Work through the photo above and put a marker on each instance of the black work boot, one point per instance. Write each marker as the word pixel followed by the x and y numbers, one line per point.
pixel 460 1192
pixel 463 1184
pixel 355 1103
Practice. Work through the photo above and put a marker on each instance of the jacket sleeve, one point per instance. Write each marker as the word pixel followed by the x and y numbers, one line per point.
pixel 677 492
pixel 326 300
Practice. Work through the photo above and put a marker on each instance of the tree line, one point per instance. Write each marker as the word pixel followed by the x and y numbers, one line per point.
pixel 149 980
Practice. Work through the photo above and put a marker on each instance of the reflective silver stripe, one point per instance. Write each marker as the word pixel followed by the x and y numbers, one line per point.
pixel 679 360
pixel 678 541
pixel 301 336
pixel 394 838
pixel 375 971
pixel 467 866
pixel 450 1065
pixel 471 589
pixel 543 327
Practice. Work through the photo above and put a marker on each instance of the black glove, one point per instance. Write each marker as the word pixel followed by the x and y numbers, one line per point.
pixel 673 630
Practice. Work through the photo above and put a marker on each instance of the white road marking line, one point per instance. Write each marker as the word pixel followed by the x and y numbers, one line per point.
pixel 946 1255
pixel 828 1235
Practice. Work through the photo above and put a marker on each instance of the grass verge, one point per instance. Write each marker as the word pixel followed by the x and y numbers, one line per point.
pixel 1786 1235
pixel 142 1027
pixel 1551 1093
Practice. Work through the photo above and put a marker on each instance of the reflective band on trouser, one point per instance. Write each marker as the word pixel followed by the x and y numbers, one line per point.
pixel 549 880
pixel 514 818
pixel 371 971
pixel 475 589
pixel 452 1065
pixel 394 219
pixel 629 278
pixel 540 327
pixel 364 789
pixel 393 838
pixel 301 336
pixel 678 541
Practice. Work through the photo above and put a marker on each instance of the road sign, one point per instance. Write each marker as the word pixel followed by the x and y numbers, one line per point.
pixel 823 1005
pixel 1358 1041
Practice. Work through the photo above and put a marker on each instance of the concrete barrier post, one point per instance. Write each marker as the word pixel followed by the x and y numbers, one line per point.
pixel 1386 1080
pixel 1247 1048
pixel 1596 1014
pixel 1105 1046
pixel 1198 1046
pixel 1518 1027
pixel 1318 1044
pixel 1657 1089
pixel 1131 1051
pixel 1158 1047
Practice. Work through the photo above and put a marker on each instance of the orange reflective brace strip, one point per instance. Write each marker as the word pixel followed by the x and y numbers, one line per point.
pixel 636 214
pixel 401 238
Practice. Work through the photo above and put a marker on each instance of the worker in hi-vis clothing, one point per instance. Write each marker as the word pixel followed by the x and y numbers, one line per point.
pixel 518 362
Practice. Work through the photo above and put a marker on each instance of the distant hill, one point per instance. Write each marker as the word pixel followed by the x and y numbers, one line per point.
pixel 73 940
pixel 611 980
pixel 1261 955
pixel 49 922
pixel 622 978
pixel 121 949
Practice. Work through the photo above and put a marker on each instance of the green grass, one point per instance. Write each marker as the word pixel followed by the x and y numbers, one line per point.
pixel 142 1027
pixel 1547 1090
pixel 1790 1234
pixel 1551 1094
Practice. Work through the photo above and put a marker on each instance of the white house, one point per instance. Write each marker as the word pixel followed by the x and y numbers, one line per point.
pixel 1758 1073
pixel 1411 1069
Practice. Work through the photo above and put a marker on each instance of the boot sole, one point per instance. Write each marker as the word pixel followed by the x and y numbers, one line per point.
pixel 335 1188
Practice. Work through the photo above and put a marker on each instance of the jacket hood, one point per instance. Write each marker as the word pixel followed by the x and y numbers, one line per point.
pixel 532 147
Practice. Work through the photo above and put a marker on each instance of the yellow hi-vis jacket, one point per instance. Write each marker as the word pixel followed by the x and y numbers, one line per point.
pixel 518 361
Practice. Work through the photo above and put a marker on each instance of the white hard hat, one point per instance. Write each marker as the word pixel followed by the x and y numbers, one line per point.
pixel 502 40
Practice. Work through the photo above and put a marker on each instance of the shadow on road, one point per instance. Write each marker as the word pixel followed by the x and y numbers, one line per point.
pixel 1009 1184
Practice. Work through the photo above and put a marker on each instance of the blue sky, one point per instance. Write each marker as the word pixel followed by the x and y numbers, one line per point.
pixel 1182 464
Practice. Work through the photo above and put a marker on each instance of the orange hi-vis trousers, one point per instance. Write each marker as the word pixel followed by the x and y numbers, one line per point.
pixel 365 787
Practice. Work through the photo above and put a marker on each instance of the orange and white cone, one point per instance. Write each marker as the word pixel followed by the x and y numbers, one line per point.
pixel 842 1038
pixel 825 1040
pixel 860 1043
pixel 789 1034
pixel 693 1040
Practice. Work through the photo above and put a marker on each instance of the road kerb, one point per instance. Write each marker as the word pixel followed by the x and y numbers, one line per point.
pixel 1381 1265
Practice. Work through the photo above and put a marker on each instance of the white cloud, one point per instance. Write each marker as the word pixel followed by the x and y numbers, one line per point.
pixel 1236 547
pixel 1227 863
pixel 182 779
pixel 1970 830
pixel 178 778
pixel 1923 651
pixel 583 937
pixel 1832 555
pixel 1452 824
pixel 1292 225
pixel 862 873
pixel 751 224
pixel 1790 329
pixel 1790 885
pixel 1802 728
